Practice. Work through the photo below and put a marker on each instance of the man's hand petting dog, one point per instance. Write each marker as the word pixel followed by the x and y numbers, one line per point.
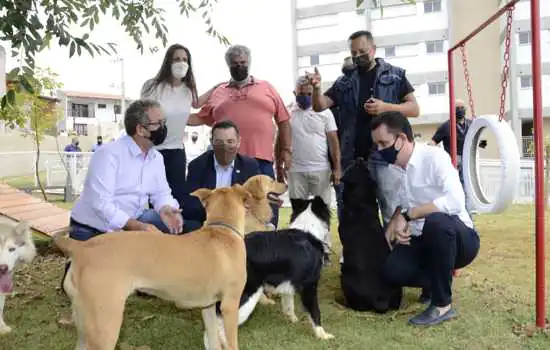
pixel 398 231
pixel 172 218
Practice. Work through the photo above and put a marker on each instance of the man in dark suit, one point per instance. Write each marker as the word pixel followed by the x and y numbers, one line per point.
pixel 222 166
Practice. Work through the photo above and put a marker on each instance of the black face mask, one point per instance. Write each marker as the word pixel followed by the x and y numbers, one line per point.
pixel 460 112
pixel 362 61
pixel 238 73
pixel 158 136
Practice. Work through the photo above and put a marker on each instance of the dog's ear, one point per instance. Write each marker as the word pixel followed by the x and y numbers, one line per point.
pixel 23 230
pixel 202 194
pixel 256 186
pixel 244 194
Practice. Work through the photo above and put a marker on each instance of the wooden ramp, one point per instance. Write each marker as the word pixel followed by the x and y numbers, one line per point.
pixel 44 217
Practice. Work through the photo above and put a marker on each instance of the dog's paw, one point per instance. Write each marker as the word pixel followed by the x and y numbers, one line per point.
pixel 265 300
pixel 5 329
pixel 293 318
pixel 321 334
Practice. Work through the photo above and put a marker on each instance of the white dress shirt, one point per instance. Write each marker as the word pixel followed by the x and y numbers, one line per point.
pixel 121 179
pixel 431 177
pixel 311 128
pixel 223 174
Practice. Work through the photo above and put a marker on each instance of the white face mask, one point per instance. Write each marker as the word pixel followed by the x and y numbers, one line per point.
pixel 179 69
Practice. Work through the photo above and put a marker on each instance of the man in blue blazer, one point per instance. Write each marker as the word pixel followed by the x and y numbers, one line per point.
pixel 222 166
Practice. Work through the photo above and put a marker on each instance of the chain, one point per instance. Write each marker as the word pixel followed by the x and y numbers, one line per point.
pixel 506 69
pixel 467 79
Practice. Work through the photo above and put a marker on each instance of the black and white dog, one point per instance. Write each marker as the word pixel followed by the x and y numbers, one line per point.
pixel 364 245
pixel 286 262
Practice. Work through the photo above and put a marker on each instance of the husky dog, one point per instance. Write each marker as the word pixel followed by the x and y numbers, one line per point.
pixel 16 245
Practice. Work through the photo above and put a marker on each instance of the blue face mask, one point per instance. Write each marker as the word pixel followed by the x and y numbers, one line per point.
pixel 389 154
pixel 304 101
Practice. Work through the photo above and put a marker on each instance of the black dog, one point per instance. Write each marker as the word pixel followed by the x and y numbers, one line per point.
pixel 365 248
pixel 288 261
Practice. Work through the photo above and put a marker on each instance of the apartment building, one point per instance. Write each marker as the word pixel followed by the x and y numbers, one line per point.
pixel 520 109
pixel 91 113
pixel 416 37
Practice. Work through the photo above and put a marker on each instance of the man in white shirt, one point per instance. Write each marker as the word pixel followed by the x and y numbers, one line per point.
pixel 433 232
pixel 316 135
pixel 123 177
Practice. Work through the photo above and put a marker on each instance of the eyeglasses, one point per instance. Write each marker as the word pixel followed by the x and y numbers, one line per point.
pixel 160 123
pixel 224 142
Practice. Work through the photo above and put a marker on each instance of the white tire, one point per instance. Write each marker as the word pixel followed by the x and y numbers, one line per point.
pixel 509 165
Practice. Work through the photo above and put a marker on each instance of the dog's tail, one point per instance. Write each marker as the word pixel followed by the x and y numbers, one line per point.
pixel 66 244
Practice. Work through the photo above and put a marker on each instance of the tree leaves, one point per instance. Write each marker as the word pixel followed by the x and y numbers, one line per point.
pixel 30 26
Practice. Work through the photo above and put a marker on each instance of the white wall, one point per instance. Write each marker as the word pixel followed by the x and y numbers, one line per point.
pixel 406 18
pixel 525 95
pixel 323 29
pixel 523 54
pixel 309 3
pixel 414 58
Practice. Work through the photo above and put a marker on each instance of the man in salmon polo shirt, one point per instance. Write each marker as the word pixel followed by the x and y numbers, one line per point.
pixel 251 104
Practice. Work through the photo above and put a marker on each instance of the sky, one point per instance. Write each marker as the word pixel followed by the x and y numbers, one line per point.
pixel 262 25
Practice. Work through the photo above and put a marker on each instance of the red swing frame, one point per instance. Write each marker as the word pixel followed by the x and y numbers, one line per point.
pixel 537 121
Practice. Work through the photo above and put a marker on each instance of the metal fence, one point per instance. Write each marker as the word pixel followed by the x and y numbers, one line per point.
pixel 61 169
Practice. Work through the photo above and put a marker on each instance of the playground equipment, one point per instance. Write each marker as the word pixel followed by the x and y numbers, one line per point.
pixel 508 150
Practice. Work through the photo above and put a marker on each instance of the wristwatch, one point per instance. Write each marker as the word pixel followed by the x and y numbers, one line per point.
pixel 405 213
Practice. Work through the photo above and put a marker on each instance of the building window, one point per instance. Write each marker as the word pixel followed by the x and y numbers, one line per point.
pixel 81 129
pixel 390 51
pixel 434 46
pixel 432 6
pixel 101 106
pixel 117 109
pixel 524 38
pixel 436 88
pixel 314 60
pixel 526 81
pixel 80 110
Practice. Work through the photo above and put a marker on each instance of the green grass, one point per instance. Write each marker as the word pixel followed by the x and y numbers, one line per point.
pixel 494 298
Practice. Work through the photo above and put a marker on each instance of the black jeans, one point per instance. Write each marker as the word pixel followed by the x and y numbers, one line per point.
pixel 175 164
pixel 446 244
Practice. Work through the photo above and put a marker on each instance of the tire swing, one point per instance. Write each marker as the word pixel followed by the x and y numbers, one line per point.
pixel 509 164
pixel 507 146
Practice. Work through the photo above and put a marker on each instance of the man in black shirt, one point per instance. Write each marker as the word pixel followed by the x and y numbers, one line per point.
pixel 373 86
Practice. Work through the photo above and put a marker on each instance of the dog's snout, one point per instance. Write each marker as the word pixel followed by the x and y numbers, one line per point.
pixel 3 269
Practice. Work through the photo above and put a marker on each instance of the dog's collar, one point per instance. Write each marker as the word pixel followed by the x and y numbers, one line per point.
pixel 223 224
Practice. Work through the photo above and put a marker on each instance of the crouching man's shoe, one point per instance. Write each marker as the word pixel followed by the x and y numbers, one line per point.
pixel 432 316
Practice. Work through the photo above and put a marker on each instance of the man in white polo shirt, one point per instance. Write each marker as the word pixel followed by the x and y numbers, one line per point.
pixel 316 138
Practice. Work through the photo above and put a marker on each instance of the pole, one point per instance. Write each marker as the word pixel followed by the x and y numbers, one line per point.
pixel 452 106
pixel 539 163
pixel 515 118
pixel 122 87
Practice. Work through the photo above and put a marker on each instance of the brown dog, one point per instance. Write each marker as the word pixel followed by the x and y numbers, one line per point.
pixel 195 270
pixel 264 191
